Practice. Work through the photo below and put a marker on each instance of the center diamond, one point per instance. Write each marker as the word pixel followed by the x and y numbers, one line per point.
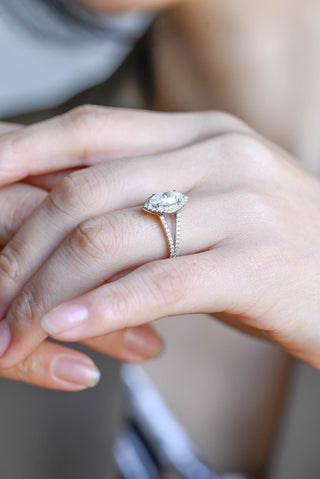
pixel 167 202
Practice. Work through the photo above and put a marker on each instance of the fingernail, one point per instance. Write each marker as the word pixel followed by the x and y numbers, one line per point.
pixel 144 341
pixel 5 337
pixel 77 371
pixel 63 318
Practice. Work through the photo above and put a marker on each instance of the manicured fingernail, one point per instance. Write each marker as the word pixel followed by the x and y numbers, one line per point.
pixel 63 318
pixel 5 337
pixel 77 371
pixel 144 341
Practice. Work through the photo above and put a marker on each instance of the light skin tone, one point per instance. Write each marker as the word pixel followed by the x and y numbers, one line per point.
pixel 249 252
pixel 258 62
pixel 272 85
pixel 18 201
pixel 190 23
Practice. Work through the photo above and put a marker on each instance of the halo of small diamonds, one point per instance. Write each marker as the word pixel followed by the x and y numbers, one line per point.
pixel 167 202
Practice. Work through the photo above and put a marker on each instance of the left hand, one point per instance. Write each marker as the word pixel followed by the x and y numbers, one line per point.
pixel 250 240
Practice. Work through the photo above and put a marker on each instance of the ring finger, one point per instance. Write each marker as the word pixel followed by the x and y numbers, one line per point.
pixel 102 189
pixel 101 248
pixel 56 367
pixel 17 202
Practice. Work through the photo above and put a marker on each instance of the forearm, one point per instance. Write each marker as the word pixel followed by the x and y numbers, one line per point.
pixel 180 73
pixel 260 64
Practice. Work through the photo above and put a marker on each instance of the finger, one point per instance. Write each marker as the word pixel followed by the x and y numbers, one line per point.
pixel 239 322
pixel 101 248
pixel 78 197
pixel 26 312
pixel 88 134
pixel 17 202
pixel 191 284
pixel 131 345
pixel 56 367
pixel 49 181
pixel 6 127
pixel 45 182
pixel 100 189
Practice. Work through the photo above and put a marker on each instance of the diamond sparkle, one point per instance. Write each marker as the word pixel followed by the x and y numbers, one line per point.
pixel 166 202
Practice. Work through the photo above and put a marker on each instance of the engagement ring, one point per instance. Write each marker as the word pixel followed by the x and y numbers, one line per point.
pixel 169 202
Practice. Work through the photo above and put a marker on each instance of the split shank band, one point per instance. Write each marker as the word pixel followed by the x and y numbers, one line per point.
pixel 168 203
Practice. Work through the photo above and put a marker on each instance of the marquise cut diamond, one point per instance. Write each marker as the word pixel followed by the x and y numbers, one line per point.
pixel 166 202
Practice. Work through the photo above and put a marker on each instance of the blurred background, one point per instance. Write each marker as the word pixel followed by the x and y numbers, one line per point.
pixel 242 405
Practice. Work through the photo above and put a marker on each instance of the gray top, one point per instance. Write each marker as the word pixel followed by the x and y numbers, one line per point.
pixel 52 49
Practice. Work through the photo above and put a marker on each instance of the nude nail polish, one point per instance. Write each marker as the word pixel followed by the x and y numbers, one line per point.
pixel 63 318
pixel 75 371
pixel 144 341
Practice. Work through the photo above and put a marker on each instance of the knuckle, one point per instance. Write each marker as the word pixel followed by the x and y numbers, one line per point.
pixel 165 285
pixel 20 209
pixel 62 197
pixel 97 238
pixel 14 144
pixel 79 122
pixel 76 192
pixel 81 117
pixel 11 264
pixel 26 369
pixel 231 122
pixel 115 235
pixel 120 309
pixel 89 239
pixel 252 204
pixel 26 307
pixel 247 153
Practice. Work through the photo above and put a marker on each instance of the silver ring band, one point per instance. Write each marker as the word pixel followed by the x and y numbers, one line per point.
pixel 170 203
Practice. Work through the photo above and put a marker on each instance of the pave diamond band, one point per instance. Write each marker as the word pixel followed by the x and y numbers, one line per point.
pixel 174 244
pixel 168 202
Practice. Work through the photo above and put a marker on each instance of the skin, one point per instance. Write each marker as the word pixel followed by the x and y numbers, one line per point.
pixel 262 210
pixel 18 201
pixel 120 5
pixel 187 19
pixel 260 63
pixel 228 76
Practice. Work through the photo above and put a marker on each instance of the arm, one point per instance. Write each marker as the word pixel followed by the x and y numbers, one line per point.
pixel 259 63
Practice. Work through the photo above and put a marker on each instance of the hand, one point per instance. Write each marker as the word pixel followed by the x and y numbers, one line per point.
pixel 249 238
pixel 17 202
